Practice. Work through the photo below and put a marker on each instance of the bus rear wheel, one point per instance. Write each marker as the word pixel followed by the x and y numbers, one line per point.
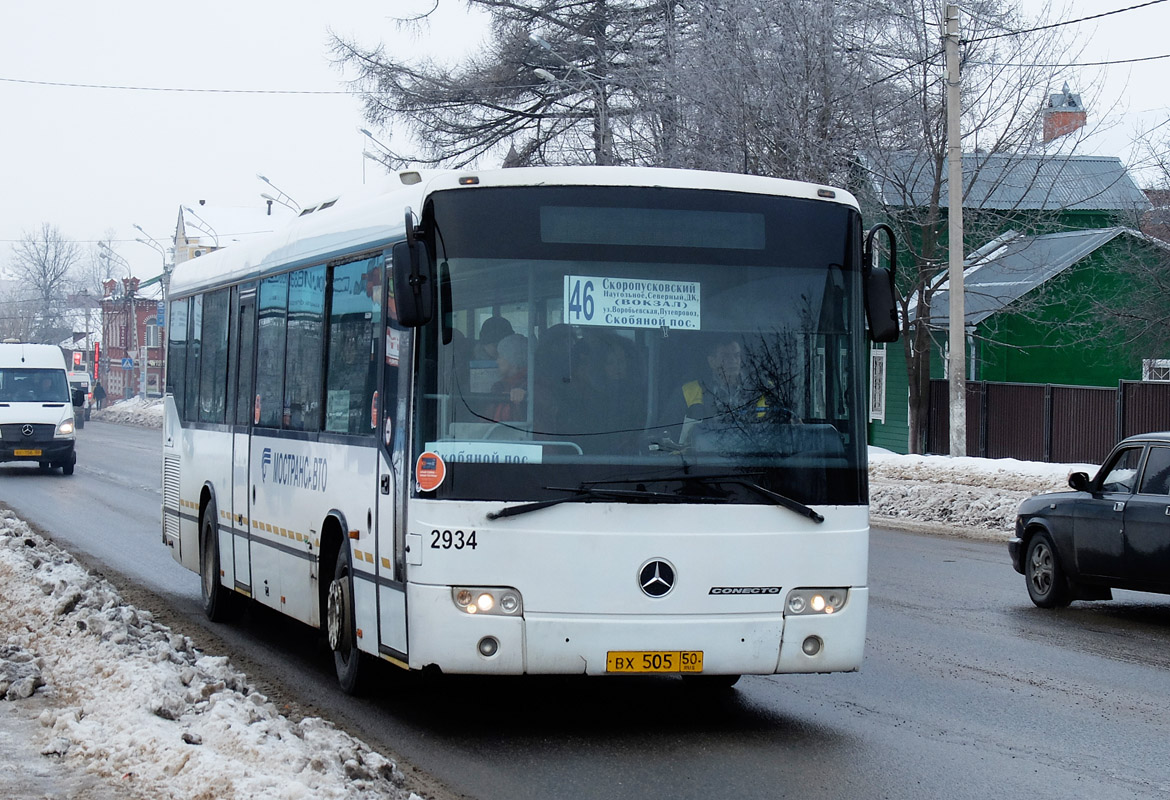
pixel 340 626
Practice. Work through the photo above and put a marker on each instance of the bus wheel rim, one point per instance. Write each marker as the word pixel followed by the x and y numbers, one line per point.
pixel 336 615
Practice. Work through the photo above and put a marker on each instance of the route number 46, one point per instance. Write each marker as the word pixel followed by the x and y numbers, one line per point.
pixel 580 300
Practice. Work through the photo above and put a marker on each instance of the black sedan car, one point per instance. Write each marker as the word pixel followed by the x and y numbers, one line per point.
pixel 1112 531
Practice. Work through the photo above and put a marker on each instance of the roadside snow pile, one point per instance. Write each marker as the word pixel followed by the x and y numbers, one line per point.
pixel 134 703
pixel 976 496
pixel 147 413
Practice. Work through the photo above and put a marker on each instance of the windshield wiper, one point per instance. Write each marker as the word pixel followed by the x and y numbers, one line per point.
pixel 588 494
pixel 738 479
pixel 781 500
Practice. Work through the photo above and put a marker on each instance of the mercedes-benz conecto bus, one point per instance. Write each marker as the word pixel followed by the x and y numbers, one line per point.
pixel 545 421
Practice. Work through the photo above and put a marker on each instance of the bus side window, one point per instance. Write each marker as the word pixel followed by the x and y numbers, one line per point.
pixel 270 338
pixel 177 354
pixel 354 322
pixel 306 327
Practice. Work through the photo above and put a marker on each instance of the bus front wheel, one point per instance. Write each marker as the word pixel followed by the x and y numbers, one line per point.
pixel 216 599
pixel 340 626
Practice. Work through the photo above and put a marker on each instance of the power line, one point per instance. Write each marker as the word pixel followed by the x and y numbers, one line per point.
pixel 67 85
pixel 1078 65
pixel 1061 24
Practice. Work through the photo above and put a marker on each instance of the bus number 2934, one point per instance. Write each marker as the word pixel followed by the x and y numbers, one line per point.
pixel 453 540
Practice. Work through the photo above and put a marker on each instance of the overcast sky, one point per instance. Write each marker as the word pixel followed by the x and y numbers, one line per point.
pixel 93 160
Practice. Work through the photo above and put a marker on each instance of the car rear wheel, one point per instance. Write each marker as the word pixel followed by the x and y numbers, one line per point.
pixel 1047 584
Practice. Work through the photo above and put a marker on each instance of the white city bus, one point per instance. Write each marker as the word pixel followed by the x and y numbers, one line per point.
pixel 651 460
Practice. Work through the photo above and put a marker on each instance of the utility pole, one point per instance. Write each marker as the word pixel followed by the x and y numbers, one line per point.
pixel 958 340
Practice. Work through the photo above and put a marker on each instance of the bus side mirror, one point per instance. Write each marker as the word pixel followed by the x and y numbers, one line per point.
pixel 78 398
pixel 881 307
pixel 414 284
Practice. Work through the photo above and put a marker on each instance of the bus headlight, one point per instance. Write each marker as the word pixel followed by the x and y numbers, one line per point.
pixel 65 428
pixel 815 601
pixel 488 600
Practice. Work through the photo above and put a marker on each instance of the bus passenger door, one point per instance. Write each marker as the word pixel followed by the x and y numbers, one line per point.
pixel 241 434
pixel 392 438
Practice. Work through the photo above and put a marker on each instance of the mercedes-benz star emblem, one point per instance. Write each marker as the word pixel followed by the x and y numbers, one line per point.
pixel 656 577
pixel 27 430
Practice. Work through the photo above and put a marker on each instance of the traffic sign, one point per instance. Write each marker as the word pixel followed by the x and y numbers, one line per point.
pixel 127 363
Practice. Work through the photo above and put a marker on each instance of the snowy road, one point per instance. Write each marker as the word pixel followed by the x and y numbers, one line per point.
pixel 967 690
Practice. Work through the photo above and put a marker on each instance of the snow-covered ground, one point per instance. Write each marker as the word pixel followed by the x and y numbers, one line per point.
pixel 147 413
pixel 99 701
pixel 126 708
pixel 973 497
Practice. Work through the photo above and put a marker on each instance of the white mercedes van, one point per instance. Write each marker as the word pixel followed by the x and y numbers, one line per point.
pixel 36 406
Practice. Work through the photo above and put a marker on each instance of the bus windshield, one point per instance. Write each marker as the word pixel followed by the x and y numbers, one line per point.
pixel 693 344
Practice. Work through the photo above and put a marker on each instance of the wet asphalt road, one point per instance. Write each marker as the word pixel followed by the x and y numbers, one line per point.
pixel 967 691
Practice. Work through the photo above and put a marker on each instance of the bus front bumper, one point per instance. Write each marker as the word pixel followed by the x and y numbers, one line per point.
pixel 573 644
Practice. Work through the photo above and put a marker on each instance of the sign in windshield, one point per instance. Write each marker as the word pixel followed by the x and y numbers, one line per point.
pixel 632 303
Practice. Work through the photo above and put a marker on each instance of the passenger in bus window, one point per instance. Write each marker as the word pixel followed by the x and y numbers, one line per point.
pixel 512 362
pixel 493 330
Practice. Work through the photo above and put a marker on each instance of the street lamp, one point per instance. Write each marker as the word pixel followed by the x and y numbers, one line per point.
pixel 109 254
pixel 385 157
pixel 150 241
pixel 378 144
pixel 603 149
pixel 281 197
pixel 202 225
pixel 366 154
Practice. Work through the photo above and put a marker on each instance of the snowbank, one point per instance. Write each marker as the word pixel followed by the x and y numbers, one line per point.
pixel 142 709
pixel 147 413
pixel 975 497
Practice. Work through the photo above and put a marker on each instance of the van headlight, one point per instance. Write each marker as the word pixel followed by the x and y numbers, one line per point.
pixel 65 428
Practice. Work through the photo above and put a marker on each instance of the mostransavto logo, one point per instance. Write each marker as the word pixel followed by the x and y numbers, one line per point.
pixel 291 469
pixel 744 590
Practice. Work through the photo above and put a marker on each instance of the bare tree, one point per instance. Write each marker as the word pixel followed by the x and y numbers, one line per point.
pixel 92 269
pixel 723 84
pixel 17 312
pixel 42 261
pixel 558 83
pixel 769 88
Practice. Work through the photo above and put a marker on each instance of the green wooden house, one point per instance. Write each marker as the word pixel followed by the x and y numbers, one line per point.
pixel 1055 229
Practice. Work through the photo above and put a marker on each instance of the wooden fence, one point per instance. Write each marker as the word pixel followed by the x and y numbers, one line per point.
pixel 1043 422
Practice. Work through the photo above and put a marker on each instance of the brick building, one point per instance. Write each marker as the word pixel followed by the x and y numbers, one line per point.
pixel 138 346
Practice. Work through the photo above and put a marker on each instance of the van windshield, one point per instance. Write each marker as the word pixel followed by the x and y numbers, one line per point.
pixel 22 385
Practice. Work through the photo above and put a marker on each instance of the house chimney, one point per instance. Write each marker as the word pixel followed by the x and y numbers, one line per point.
pixel 1063 115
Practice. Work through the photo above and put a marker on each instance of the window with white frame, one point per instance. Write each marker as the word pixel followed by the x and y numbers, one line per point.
pixel 153 336
pixel 1156 369
pixel 877 384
